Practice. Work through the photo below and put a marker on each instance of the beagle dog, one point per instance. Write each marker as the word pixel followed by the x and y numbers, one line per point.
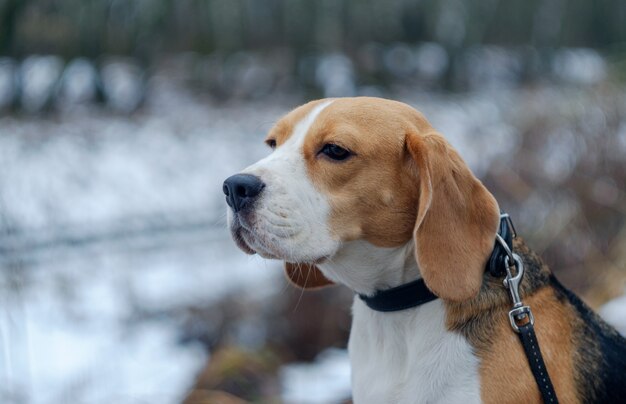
pixel 364 192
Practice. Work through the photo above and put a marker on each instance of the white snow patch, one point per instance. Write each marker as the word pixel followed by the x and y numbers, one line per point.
pixel 72 318
pixel 325 381
pixel 614 312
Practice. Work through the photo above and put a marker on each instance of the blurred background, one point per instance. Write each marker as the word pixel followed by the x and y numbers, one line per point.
pixel 119 120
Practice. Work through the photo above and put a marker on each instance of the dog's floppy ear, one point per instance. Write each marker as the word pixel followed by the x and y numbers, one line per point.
pixel 306 276
pixel 457 219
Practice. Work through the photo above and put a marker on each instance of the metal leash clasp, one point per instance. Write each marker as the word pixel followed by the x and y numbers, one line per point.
pixel 519 312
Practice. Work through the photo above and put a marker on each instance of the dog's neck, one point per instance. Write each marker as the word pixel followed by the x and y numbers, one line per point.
pixel 401 357
pixel 365 268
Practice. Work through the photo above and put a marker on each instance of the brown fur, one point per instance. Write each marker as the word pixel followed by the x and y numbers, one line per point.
pixel 283 129
pixel 454 205
pixel 306 276
pixel 383 213
pixel 505 376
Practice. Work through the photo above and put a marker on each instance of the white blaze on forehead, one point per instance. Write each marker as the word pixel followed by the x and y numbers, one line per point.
pixel 302 128
pixel 293 146
pixel 290 197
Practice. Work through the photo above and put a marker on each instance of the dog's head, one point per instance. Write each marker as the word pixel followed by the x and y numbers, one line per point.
pixel 364 169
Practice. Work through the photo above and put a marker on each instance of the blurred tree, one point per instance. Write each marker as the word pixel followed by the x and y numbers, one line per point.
pixel 9 15
pixel 148 27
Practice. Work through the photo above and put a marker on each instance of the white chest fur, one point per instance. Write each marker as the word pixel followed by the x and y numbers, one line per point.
pixel 409 357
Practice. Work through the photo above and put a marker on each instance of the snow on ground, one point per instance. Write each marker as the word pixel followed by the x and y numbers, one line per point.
pixel 614 312
pixel 145 193
pixel 325 381
pixel 88 346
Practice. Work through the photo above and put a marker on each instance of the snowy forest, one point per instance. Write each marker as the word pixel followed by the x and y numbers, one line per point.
pixel 119 121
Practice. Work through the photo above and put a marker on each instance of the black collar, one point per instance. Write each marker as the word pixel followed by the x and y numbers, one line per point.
pixel 401 297
pixel 416 293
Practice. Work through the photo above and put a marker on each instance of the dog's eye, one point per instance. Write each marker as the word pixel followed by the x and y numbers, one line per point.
pixel 335 152
pixel 271 143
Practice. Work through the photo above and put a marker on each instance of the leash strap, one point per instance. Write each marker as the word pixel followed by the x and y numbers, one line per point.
pixel 520 316
pixel 535 360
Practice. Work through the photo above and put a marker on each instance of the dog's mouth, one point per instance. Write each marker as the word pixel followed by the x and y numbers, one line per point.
pixel 273 236
pixel 250 241
pixel 241 243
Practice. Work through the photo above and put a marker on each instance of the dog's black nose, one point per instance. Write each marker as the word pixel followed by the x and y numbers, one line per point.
pixel 241 189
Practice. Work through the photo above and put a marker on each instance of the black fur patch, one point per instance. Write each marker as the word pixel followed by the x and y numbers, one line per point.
pixel 603 353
